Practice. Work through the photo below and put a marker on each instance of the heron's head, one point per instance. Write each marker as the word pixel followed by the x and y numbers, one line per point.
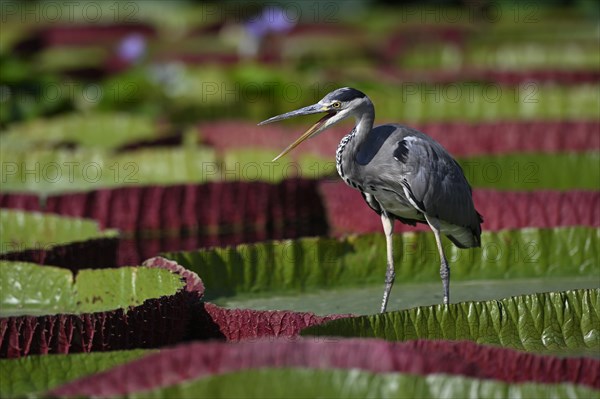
pixel 337 105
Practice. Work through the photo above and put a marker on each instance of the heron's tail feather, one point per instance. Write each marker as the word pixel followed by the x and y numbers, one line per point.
pixel 462 237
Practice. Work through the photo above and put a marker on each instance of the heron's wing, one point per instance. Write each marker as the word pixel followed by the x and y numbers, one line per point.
pixel 418 167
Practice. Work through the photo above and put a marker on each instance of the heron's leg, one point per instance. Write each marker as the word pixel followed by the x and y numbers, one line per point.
pixel 390 275
pixel 444 268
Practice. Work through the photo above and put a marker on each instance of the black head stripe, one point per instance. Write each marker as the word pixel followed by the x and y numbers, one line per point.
pixel 344 95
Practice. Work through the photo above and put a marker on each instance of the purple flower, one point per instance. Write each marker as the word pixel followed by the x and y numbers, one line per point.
pixel 271 20
pixel 132 48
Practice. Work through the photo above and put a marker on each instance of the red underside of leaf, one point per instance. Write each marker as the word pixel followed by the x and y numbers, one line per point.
pixel 96 253
pixel 71 35
pixel 242 324
pixel 347 212
pixel 155 323
pixel 461 139
pixel 161 218
pixel 156 219
pixel 172 366
pixel 274 209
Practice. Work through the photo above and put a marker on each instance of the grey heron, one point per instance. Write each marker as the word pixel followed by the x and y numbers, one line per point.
pixel 402 174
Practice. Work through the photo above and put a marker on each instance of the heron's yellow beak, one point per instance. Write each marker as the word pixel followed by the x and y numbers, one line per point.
pixel 308 134
pixel 315 129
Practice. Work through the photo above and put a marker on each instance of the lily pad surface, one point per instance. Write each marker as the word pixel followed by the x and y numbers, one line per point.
pixel 61 170
pixel 30 289
pixel 311 264
pixel 556 322
pixel 99 130
pixel 32 230
pixel 33 374
pixel 518 171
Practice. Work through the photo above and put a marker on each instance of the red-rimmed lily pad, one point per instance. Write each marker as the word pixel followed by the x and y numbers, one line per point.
pixel 556 322
pixel 46 310
pixel 309 264
pixel 247 324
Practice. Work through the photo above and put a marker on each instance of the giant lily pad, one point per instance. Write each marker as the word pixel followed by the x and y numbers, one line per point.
pixel 485 102
pixel 101 130
pixel 485 54
pixel 53 171
pixel 28 230
pixel 28 289
pixel 556 322
pixel 312 263
pixel 46 310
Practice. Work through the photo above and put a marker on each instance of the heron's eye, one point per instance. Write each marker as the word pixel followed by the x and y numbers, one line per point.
pixel 336 104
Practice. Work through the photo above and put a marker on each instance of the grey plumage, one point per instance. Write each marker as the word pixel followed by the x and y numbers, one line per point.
pixel 412 175
pixel 402 174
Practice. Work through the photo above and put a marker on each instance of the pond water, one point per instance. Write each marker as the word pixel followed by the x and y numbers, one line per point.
pixel 367 300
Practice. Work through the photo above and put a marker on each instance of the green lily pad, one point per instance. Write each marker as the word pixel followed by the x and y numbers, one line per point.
pixel 55 171
pixel 523 171
pixel 60 58
pixel 470 102
pixel 557 322
pixel 256 165
pixel 573 55
pixel 311 383
pixel 533 171
pixel 505 55
pixel 32 230
pixel 36 374
pixel 309 264
pixel 30 289
pixel 94 129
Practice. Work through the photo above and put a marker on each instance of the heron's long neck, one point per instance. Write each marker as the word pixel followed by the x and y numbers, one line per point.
pixel 352 141
pixel 364 123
